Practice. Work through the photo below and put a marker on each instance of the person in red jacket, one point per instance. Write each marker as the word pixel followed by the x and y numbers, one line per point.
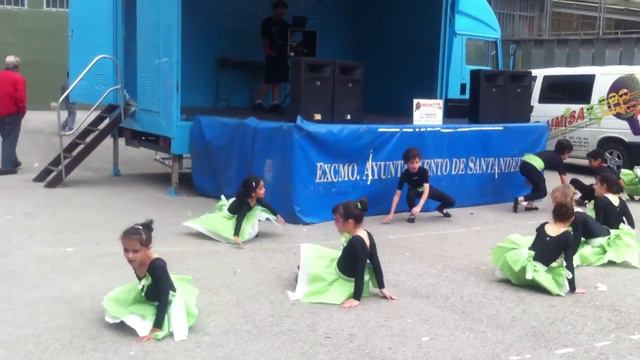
pixel 13 107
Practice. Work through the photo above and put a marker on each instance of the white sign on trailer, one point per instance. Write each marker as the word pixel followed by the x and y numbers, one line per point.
pixel 427 112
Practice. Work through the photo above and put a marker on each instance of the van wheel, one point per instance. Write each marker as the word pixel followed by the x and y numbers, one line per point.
pixel 616 155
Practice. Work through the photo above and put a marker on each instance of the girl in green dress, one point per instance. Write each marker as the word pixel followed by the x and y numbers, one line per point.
pixel 341 277
pixel 158 303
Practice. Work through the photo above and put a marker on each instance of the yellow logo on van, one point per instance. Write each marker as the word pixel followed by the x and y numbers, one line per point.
pixel 622 101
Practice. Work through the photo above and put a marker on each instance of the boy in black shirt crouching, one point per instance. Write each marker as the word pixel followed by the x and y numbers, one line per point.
pixel 417 179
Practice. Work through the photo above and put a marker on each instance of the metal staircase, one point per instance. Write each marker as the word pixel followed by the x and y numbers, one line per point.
pixel 87 138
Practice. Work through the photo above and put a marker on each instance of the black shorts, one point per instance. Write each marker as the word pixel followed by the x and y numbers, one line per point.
pixel 276 70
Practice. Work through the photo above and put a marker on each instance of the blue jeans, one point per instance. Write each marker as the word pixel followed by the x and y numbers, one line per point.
pixel 10 132
pixel 70 122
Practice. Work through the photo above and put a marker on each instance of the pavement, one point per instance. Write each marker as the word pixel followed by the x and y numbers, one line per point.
pixel 61 255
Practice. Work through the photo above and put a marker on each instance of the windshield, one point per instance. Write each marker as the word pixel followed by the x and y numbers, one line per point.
pixel 482 53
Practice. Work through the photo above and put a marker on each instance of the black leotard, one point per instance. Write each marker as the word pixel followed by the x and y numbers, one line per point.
pixel 353 262
pixel 552 161
pixel 240 208
pixel 548 249
pixel 158 290
pixel 610 215
pixel 584 226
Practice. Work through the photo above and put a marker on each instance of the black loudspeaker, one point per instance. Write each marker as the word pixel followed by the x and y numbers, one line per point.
pixel 500 97
pixel 519 90
pixel 312 88
pixel 347 93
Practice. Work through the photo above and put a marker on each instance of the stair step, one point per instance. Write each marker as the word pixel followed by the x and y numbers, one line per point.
pixel 80 147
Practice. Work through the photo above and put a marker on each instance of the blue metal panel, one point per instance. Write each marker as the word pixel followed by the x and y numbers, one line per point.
pixel 92 32
pixel 446 30
pixel 476 18
pixel 472 19
pixel 158 67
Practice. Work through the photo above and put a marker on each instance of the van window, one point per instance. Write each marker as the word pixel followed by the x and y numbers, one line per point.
pixel 482 53
pixel 566 89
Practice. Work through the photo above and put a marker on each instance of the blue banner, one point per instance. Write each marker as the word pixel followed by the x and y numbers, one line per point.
pixel 308 168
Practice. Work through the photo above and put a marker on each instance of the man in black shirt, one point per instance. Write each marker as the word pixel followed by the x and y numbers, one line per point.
pixel 274 32
pixel 599 166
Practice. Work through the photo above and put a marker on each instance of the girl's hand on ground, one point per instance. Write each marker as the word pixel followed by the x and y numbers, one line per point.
pixel 580 291
pixel 387 220
pixel 350 304
pixel 280 220
pixel 387 295
pixel 150 336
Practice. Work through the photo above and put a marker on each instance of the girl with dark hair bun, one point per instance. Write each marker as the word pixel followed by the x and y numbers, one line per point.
pixel 609 209
pixel 158 303
pixel 236 220
pixel 333 277
pixel 544 260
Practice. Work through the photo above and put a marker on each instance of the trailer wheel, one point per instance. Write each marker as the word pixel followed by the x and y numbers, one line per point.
pixel 616 154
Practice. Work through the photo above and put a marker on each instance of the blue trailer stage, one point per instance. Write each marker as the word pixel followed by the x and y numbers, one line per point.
pixel 309 167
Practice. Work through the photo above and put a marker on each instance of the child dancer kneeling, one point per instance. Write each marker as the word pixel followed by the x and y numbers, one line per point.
pixel 537 261
pixel 532 167
pixel 158 303
pixel 333 277
pixel 237 220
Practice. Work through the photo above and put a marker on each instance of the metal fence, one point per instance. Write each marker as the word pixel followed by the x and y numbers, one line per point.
pixel 530 19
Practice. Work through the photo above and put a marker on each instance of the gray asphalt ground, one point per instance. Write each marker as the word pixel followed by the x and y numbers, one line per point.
pixel 61 255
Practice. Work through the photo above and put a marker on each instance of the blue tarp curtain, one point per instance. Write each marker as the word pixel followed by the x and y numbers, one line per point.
pixel 308 168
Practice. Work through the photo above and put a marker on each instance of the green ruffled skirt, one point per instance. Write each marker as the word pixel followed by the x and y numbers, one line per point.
pixel 514 261
pixel 631 181
pixel 127 303
pixel 319 280
pixel 219 224
pixel 622 246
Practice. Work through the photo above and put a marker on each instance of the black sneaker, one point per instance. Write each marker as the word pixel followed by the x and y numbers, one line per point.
pixel 444 213
pixel 411 219
pixel 275 108
pixel 18 165
pixel 8 172
pixel 259 106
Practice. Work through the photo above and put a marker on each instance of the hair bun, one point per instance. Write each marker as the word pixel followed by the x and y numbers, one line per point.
pixel 147 225
pixel 363 204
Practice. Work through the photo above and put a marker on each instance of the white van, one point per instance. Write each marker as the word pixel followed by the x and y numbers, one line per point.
pixel 593 107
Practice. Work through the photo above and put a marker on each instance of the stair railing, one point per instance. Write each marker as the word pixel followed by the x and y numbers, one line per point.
pixel 117 88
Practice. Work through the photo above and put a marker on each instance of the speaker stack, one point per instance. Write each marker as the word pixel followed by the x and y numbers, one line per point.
pixel 347 93
pixel 312 88
pixel 327 91
pixel 500 97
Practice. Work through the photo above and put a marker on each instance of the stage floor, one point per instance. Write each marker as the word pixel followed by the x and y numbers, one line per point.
pixel 288 116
